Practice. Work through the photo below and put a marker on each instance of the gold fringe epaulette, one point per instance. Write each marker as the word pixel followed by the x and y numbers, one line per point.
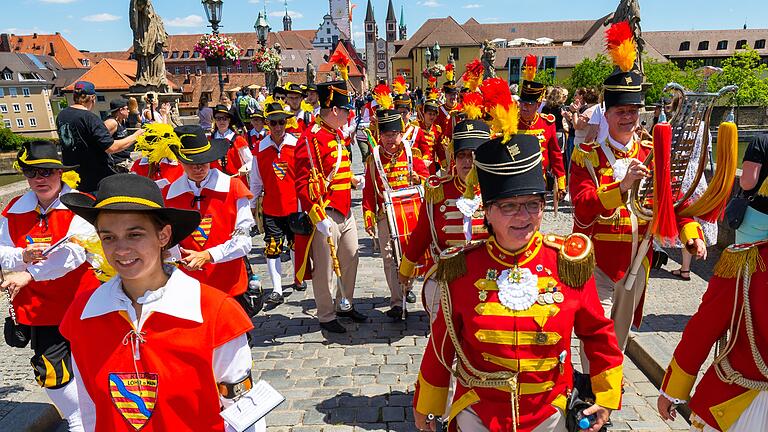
pixel 433 190
pixel 586 152
pixel 735 257
pixel 453 263
pixel 575 258
pixel 416 153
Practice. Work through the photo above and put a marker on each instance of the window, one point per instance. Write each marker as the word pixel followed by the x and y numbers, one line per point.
pixel 29 76
pixel 187 69
pixel 25 92
pixel 177 70
pixel 759 44
pixel 322 40
pixel 2 92
pixel 175 54
pixel 198 70
pixel 16 108
pixel 742 44
pixel 328 31
pixel 29 107
pixel 240 68
pixel 101 98
pixel 8 76
pixel 250 68
pixel 19 123
pixel 185 54
pixel 7 123
pixel 165 54
pixel 195 54
pixel 249 53
pixel 3 108
pixel 722 45
pixel 455 53
pixel 685 46
pixel 32 122
pixel 703 45
pixel 12 92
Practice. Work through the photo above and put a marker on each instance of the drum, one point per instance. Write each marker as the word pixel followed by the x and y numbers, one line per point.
pixel 402 209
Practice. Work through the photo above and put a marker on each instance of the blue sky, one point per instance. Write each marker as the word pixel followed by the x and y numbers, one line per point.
pixel 102 25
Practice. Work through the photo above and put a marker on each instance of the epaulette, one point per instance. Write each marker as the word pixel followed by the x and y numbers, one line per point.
pixel 586 152
pixel 416 153
pixel 549 118
pixel 453 263
pixel 438 128
pixel 433 189
pixel 575 258
pixel 646 143
pixel 735 257
pixel 316 128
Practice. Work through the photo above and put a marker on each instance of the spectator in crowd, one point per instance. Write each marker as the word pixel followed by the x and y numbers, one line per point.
pixel 151 112
pixel 134 117
pixel 554 105
pixel 598 125
pixel 581 113
pixel 205 114
pixel 85 141
pixel 115 124
pixel 754 182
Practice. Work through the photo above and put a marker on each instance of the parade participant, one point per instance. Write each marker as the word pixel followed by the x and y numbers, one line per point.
pixel 509 306
pixel 447 218
pixel 238 153
pixel 404 106
pixel 293 98
pixel 158 162
pixel 602 173
pixel 152 344
pixel 430 137
pixel 312 98
pixel 542 126
pixel 446 115
pixel 273 174
pixel 323 185
pixel 393 165
pixel 116 125
pixel 258 131
pixel 733 394
pixel 43 285
pixel 214 252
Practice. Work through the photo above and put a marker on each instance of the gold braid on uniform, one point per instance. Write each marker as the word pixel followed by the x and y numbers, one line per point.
pixel 575 259
pixel 434 194
pixel 734 258
pixel 452 265
pixel 580 156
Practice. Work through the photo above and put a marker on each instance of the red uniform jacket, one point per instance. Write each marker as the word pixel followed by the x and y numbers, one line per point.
pixel 430 144
pixel 44 303
pixel 218 209
pixel 276 171
pixel 166 173
pixel 536 341
pixel 543 127
pixel 717 402
pixel 233 159
pixel 175 364
pixel 446 117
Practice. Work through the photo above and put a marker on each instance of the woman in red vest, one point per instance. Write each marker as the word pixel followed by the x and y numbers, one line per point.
pixel 153 348
pixel 238 153
pixel 44 281
pixel 214 252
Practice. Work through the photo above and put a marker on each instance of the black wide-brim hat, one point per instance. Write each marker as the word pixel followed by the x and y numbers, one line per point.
pixel 132 193
pixel 195 147
pixel 41 154
pixel 469 135
pixel 276 112
pixel 222 109
pixel 506 170
pixel 389 121
pixel 294 88
pixel 334 94
pixel 623 88
pixel 532 91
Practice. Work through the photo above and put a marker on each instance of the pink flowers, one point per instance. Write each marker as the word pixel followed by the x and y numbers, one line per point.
pixel 218 46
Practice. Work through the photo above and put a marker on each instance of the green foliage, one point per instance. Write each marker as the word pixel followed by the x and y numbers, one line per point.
pixel 660 74
pixel 546 77
pixel 590 72
pixel 10 141
pixel 744 70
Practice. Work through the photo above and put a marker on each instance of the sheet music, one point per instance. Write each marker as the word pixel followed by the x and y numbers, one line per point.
pixel 252 406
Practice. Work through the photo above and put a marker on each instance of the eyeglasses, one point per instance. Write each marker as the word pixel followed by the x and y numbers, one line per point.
pixel 276 97
pixel 277 122
pixel 220 118
pixel 511 208
pixel 34 172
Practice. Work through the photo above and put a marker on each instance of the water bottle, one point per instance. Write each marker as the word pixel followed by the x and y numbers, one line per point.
pixel 585 422
pixel 254 283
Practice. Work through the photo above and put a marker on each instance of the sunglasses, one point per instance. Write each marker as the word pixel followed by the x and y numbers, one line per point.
pixel 220 118
pixel 277 122
pixel 34 172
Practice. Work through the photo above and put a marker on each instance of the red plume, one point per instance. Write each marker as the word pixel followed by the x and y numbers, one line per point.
pixel 449 71
pixel 383 96
pixel 500 105
pixel 530 64
pixel 342 61
pixel 473 75
pixel 472 105
pixel 399 85
pixel 620 44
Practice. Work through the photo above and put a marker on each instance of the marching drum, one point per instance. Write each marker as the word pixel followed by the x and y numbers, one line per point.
pixel 402 209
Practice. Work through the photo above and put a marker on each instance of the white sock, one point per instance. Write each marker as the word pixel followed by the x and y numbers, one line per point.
pixel 65 399
pixel 273 268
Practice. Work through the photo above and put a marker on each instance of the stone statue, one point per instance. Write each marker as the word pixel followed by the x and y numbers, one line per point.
pixel 311 72
pixel 272 78
pixel 489 58
pixel 629 10
pixel 149 39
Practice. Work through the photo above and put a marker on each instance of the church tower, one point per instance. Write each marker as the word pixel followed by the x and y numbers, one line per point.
pixel 403 29
pixel 287 21
pixel 371 34
pixel 391 23
pixel 341 14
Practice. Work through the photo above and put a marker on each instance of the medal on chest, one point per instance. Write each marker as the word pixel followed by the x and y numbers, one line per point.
pixel 518 288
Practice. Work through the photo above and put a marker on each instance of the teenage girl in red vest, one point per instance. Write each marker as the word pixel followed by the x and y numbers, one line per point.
pixel 153 348
pixel 238 153
pixel 44 283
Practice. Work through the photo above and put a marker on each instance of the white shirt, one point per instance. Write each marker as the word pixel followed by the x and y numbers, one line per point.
pixel 598 118
pixel 240 244
pixel 256 183
pixel 67 257
pixel 180 298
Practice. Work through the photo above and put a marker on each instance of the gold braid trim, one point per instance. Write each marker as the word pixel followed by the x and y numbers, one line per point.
pixel 451 266
pixel 471 181
pixel 575 258
pixel 434 194
pixel 763 191
pixel 733 260
pixel 579 157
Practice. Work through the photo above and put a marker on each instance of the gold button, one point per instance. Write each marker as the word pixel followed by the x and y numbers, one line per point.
pixel 720 413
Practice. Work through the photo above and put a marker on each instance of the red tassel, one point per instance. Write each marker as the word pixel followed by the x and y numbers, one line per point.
pixel 664 224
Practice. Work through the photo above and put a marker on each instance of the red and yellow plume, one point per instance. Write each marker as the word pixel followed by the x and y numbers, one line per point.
pixel 473 75
pixel 342 61
pixel 530 64
pixel 434 93
pixel 450 73
pixel 383 96
pixel 472 106
pixel 432 80
pixel 621 46
pixel 399 85
pixel 500 105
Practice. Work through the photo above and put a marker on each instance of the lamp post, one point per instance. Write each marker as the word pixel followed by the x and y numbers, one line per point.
pixel 262 29
pixel 436 52
pixel 213 13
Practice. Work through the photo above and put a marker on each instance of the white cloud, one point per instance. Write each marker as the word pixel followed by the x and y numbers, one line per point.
pixel 102 17
pixel 358 35
pixel 188 21
pixel 58 1
pixel 23 31
pixel 292 14
pixel 472 6
pixel 429 3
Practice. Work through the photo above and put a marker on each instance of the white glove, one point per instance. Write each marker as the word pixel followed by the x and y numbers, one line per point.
pixel 347 130
pixel 324 227
pixel 360 182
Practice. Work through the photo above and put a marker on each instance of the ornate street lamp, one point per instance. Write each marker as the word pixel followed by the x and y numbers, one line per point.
pixel 427 55
pixel 262 29
pixel 436 52
pixel 213 13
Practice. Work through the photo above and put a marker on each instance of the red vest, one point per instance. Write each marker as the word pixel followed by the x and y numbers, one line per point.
pixel 276 170
pixel 177 389
pixel 167 171
pixel 219 216
pixel 44 303
pixel 234 162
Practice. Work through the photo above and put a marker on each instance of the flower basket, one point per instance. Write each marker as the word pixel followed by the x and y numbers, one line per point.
pixel 436 70
pixel 218 50
pixel 267 60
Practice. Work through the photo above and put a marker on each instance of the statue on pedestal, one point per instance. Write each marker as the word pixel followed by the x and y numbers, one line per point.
pixel 149 40
pixel 311 72
pixel 272 78
pixel 489 58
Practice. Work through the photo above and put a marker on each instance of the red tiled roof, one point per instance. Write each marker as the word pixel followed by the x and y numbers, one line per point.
pixel 54 45
pixel 354 71
pixel 112 75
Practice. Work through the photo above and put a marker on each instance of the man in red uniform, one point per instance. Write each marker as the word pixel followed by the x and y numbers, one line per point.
pixel 601 176
pixel 542 126
pixel 509 306
pixel 323 185
pixel 273 174
pixel 449 111
pixel 429 140
pixel 392 166
pixel 732 395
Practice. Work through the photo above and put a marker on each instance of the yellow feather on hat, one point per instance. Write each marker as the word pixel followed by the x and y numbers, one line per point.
pixel 157 142
pixel 621 46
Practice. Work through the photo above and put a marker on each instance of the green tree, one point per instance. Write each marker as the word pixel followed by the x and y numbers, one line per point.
pixel 546 77
pixel 744 70
pixel 590 72
pixel 659 74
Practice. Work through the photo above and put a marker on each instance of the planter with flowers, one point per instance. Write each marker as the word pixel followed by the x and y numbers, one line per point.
pixel 267 60
pixel 436 71
pixel 218 50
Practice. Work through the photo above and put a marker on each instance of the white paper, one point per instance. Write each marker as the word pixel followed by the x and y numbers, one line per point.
pixel 252 406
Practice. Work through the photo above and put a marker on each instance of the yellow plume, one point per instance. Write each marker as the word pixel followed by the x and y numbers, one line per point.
pixel 306 107
pixel 71 179
pixel 157 142
pixel 92 244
